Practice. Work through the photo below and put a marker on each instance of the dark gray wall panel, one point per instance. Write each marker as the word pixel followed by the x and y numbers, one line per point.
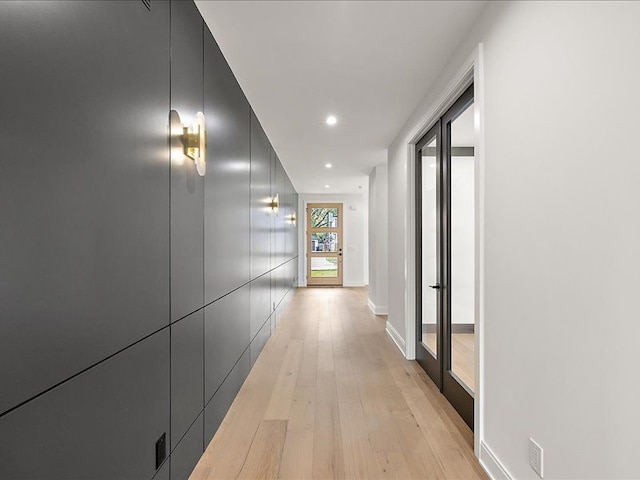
pixel 276 291
pixel 226 336
pixel 291 239
pixel 299 218
pixel 84 198
pixel 274 190
pixel 105 241
pixel 187 371
pixel 217 408
pixel 281 217
pixel 260 302
pixel 281 283
pixel 288 225
pixel 259 341
pixel 260 199
pixel 293 273
pixel 186 455
pixel 101 424
pixel 187 187
pixel 227 187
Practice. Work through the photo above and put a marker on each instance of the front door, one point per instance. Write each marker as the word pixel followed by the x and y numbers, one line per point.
pixel 324 244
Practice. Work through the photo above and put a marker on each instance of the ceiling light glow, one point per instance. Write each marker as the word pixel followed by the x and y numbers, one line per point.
pixel 328 165
pixel 327 186
pixel 332 120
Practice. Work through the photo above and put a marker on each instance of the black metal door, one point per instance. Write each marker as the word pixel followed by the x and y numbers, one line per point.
pixel 439 330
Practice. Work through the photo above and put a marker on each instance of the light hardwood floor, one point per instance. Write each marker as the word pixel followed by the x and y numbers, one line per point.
pixel 332 397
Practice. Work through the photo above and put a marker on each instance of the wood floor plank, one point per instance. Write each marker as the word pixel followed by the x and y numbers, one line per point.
pixel 282 396
pixel 360 459
pixel 297 457
pixel 328 461
pixel 332 397
pixel 263 460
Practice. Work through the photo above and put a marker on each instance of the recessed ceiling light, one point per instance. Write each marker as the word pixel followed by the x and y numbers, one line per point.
pixel 328 165
pixel 332 120
pixel 327 186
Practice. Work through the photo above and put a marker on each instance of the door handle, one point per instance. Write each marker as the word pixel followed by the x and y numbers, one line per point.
pixel 435 287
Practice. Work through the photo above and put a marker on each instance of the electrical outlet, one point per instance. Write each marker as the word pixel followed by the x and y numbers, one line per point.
pixel 161 450
pixel 536 457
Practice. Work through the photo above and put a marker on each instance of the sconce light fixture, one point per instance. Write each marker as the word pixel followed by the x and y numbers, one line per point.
pixel 189 142
pixel 292 219
pixel 275 203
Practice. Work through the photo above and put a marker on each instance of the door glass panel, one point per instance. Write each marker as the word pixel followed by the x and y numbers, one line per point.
pixel 462 248
pixel 325 267
pixel 429 247
pixel 324 217
pixel 324 242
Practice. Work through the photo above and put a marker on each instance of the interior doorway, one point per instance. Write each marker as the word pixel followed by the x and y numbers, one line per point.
pixel 445 254
pixel 324 244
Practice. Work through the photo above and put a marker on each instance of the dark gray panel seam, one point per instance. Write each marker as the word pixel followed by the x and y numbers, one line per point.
pixel 165 462
pixel 201 412
pixel 232 291
pixel 241 355
pixel 80 372
pixel 227 375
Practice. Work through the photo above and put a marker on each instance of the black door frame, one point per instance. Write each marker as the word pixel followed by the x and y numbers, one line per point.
pixel 458 395
pixel 439 368
pixel 431 364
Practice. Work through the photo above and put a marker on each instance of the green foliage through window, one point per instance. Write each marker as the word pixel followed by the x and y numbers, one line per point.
pixel 324 217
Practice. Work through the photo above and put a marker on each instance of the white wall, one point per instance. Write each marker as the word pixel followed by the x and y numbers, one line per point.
pixel 378 239
pixel 562 235
pixel 355 245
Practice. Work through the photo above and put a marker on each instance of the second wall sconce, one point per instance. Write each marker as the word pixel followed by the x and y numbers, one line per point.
pixel 189 142
pixel 275 204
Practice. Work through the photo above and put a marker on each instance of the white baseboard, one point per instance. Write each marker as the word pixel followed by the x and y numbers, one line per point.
pixel 397 339
pixel 492 465
pixel 376 309
pixel 353 284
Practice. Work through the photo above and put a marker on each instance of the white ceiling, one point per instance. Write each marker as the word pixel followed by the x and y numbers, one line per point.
pixel 368 63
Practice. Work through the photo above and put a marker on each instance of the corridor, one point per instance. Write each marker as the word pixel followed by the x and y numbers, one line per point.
pixel 332 397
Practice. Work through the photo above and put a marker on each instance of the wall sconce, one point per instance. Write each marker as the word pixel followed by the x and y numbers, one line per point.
pixel 275 204
pixel 189 142
pixel 292 219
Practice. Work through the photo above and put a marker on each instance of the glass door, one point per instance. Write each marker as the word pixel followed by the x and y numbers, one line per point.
pixel 458 135
pixel 445 254
pixel 429 252
pixel 324 244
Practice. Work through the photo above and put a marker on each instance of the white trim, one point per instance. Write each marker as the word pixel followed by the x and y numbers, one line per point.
pixel 494 467
pixel 395 336
pixel 354 284
pixel 479 101
pixel 470 71
pixel 377 310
